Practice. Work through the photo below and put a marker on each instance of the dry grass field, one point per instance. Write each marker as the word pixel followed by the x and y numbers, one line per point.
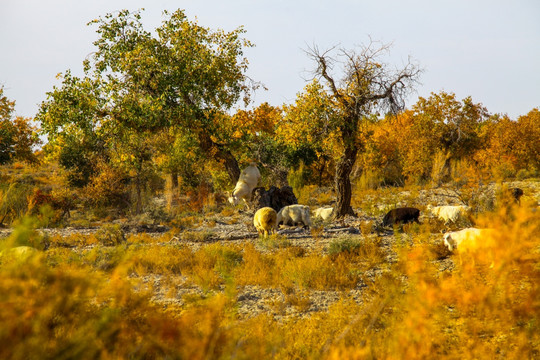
pixel 203 285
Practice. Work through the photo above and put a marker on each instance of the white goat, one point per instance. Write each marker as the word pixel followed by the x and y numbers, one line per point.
pixel 449 213
pixel 472 240
pixel 323 213
pixel 468 239
pixel 246 183
pixel 295 214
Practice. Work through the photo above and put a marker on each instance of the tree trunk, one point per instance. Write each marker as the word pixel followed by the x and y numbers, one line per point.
pixel 321 171
pixel 231 165
pixel 138 206
pixel 343 183
pixel 174 180
pixel 220 154
pixel 447 168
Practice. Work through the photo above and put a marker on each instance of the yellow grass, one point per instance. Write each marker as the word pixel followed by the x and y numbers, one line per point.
pixel 87 304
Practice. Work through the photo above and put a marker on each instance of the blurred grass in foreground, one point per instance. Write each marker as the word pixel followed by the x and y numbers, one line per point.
pixel 59 304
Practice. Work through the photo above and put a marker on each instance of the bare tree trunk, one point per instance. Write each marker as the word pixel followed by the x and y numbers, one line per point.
pixel 343 182
pixel 221 155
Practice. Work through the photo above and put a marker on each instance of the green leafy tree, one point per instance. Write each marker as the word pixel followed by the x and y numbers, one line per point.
pixel 254 134
pixel 184 77
pixel 139 84
pixel 310 127
pixel 74 120
pixel 178 154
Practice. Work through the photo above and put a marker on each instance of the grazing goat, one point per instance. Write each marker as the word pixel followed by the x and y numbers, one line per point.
pixel 246 183
pixel 517 193
pixel 265 221
pixel 324 213
pixel 402 215
pixel 467 238
pixel 449 213
pixel 294 214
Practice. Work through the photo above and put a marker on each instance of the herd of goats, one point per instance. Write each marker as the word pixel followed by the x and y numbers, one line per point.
pixel 267 218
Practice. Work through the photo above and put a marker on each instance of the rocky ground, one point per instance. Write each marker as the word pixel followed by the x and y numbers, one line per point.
pixel 254 300
pixel 282 303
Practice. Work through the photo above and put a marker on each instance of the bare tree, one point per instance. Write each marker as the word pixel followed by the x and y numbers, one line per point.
pixel 367 85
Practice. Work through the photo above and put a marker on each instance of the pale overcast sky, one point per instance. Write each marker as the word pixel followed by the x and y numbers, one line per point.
pixel 486 49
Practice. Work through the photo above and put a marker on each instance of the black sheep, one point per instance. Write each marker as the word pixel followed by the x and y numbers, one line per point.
pixel 274 197
pixel 402 215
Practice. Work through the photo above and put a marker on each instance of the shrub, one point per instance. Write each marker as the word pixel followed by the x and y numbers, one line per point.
pixel 108 188
pixel 346 244
pixel 197 235
pixel 25 234
pixel 159 259
pixel 105 258
pixel 274 241
pixel 157 214
pixel 227 258
pixel 13 201
pixel 298 178
pixel 49 207
pixel 110 235
pixel 69 312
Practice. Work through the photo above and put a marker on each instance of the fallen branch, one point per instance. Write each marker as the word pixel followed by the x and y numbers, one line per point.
pixel 348 229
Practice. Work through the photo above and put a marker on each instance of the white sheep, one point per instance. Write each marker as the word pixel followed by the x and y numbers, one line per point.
pixel 449 213
pixel 246 183
pixel 295 214
pixel 468 239
pixel 323 213
pixel 265 221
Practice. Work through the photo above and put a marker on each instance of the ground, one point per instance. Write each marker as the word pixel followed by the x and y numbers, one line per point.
pixel 282 303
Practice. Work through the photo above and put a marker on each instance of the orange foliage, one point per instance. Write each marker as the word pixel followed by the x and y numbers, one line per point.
pixel 527 148
pixel 511 145
pixel 443 139
pixel 248 123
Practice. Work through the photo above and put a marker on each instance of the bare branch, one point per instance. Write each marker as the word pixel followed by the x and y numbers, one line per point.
pixel 324 64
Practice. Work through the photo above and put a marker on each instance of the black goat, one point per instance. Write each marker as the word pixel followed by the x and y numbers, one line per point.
pixel 517 193
pixel 402 215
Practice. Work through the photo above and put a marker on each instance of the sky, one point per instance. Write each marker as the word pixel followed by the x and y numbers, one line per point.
pixel 486 49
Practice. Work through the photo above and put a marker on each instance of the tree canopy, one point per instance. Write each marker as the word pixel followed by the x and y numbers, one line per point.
pixel 140 84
